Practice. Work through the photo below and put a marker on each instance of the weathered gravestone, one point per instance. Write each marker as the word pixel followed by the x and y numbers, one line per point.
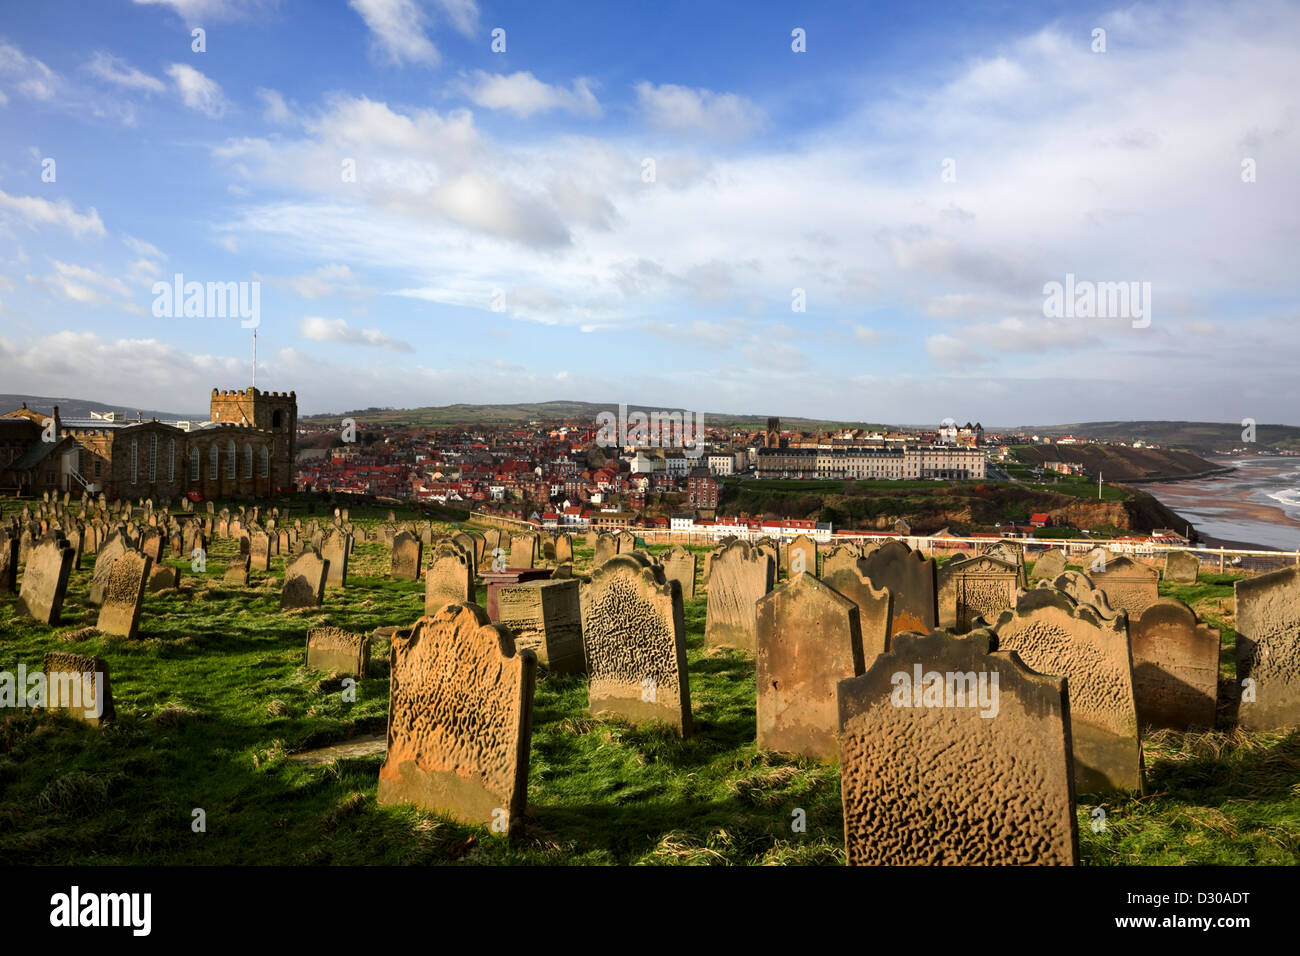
pixel 974 588
pixel 163 577
pixel 1081 590
pixel 408 557
pixel 1049 565
pixel 1009 552
pixel 304 581
pixel 740 574
pixel 78 685
pixel 1175 667
pixel 808 640
pixel 112 549
pixel 679 566
pixel 1182 567
pixel 875 609
pixel 1129 586
pixel 545 616
pixel 563 548
pixel 459 719
pixel 1054 635
pixel 802 557
pixel 626 542
pixel 124 595
pixel 912 579
pixel 448 580
pixel 337 651
pixel 606 548
pixel 237 571
pixel 152 541
pixel 45 580
pixel 8 563
pixel 523 550
pixel 634 633
pixel 951 755
pixel 336 549
pixel 469 544
pixel 1268 650
pixel 840 557
pixel 259 550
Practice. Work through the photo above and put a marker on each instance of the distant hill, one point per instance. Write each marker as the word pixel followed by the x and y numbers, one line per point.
pixel 81 408
pixel 1117 463
pixel 1200 437
pixel 522 413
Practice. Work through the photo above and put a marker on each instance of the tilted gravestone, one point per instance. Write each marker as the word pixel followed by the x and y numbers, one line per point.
pixel 1129 586
pixel 112 549
pixel 563 548
pixel 974 588
pixel 124 596
pixel 1175 667
pixel 304 581
pixel 408 556
pixel 459 719
pixel 739 575
pixel 912 579
pixel 953 755
pixel 152 541
pixel 606 547
pixel 78 685
pixel 1049 565
pixel 679 566
pixel 469 544
pixel 45 580
pixel 808 640
pixel 163 577
pixel 875 609
pixel 1182 567
pixel 1054 635
pixel 237 571
pixel 337 651
pixel 634 633
pixel 448 580
pixel 336 549
pixel 545 616
pixel 1268 650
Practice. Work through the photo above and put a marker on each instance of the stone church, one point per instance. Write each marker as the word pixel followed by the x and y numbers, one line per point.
pixel 245 448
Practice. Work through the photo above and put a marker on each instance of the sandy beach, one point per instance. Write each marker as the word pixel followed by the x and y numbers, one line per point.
pixel 1255 506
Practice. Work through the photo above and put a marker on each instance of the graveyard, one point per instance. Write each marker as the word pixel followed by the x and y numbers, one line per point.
pixel 254 696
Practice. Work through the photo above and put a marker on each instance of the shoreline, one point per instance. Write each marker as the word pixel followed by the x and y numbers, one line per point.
pixel 1229 513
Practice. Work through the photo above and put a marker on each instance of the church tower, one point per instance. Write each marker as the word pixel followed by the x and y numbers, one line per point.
pixel 273 412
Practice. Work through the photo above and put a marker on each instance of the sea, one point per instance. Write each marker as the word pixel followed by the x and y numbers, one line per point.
pixel 1256 504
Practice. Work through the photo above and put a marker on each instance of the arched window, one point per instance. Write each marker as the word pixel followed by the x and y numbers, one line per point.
pixel 230 458
pixel 248 460
pixel 212 461
pixel 266 461
pixel 135 460
pixel 171 460
pixel 194 463
pixel 153 457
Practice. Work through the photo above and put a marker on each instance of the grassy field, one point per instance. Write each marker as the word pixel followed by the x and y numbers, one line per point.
pixel 213 699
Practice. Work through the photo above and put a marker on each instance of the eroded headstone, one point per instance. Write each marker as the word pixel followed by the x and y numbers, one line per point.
pixel 124 595
pixel 1129 586
pixel 78 685
pixel 45 580
pixel 337 651
pixel 875 609
pixel 449 578
pixel 1268 650
pixel 912 580
pixel 1175 667
pixel 975 588
pixel 304 581
pixel 545 616
pixel 1049 565
pixel 408 556
pixel 679 566
pixel 1182 567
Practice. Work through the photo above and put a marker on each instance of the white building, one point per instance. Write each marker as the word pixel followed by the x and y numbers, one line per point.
pixel 721 465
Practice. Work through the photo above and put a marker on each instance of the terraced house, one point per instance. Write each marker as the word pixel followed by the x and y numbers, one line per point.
pixel 245 448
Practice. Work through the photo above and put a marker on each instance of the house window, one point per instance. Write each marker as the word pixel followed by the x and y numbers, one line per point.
pixel 135 460
pixel 230 458
pixel 153 458
pixel 213 464
pixel 248 460
pixel 194 463
pixel 266 462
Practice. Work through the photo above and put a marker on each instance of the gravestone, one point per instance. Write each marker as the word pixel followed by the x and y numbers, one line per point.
pixel 1054 635
pixel 304 581
pixel 1009 552
pixel 336 549
pixel 1268 650
pixel 113 549
pixel 974 588
pixel 679 566
pixel 1081 590
pixel 78 685
pixel 45 580
pixel 563 548
pixel 123 597
pixel 449 579
pixel 151 544
pixel 469 544
pixel 259 550
pixel 932 772
pixel 606 548
pixel 808 639
pixel 740 574
pixel 1049 565
pixel 1175 667
pixel 548 548
pixel 337 651
pixel 875 609
pixel 523 550
pixel 626 542
pixel 840 557
pixel 912 580
pixel 1182 567
pixel 459 719
pixel 496 580
pixel 8 563
pixel 237 571
pixel 1129 586
pixel 634 633
pixel 408 557
pixel 806 549
pixel 545 616
pixel 163 577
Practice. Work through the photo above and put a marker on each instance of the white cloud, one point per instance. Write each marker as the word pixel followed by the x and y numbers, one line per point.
pixel 332 279
pixel 523 94
pixel 192 11
pixel 398 29
pixel 275 109
pixel 35 80
pixel 120 73
pixel 197 91
pixel 36 211
pixel 463 15
pixel 141 248
pixel 687 111
pixel 337 330
pixel 865 334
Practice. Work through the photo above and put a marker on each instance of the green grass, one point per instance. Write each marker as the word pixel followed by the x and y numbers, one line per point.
pixel 213 698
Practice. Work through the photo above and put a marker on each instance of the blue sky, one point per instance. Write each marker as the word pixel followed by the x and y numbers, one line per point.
pixel 517 179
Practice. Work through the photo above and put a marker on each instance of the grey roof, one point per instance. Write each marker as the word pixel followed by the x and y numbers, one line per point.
pixel 33 456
